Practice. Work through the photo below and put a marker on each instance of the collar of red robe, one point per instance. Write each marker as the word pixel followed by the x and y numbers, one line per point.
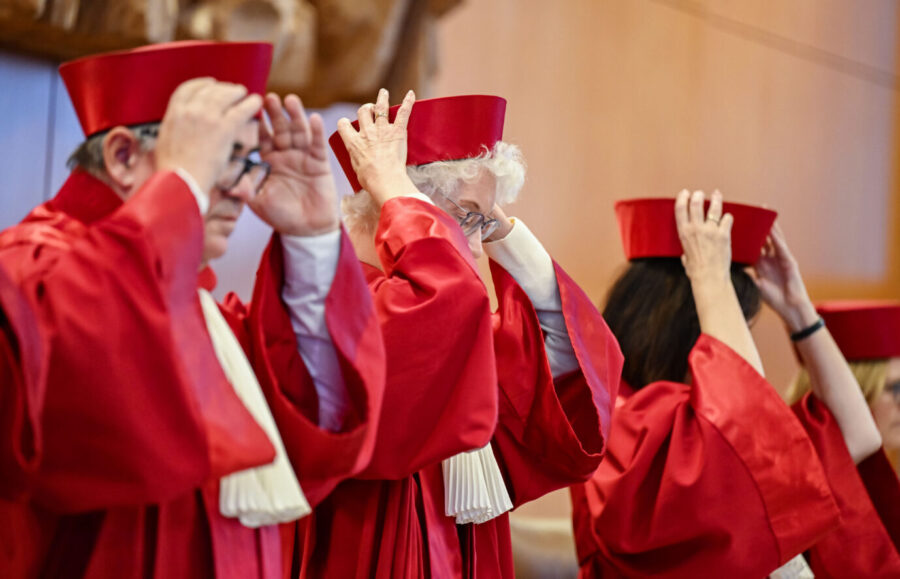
pixel 85 198
pixel 88 199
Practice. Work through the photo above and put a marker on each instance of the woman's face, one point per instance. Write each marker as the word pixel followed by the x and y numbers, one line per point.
pixel 478 196
pixel 886 410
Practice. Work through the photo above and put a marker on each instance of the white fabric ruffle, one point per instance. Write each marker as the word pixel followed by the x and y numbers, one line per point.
pixel 263 495
pixel 474 490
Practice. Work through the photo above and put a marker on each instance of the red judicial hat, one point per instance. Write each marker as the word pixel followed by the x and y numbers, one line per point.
pixel 863 330
pixel 648 229
pixel 131 87
pixel 441 129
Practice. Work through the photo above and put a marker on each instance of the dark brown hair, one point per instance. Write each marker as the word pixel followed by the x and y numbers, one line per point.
pixel 651 311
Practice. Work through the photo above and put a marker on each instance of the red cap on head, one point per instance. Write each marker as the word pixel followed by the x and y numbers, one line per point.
pixel 648 229
pixel 441 129
pixel 863 330
pixel 132 87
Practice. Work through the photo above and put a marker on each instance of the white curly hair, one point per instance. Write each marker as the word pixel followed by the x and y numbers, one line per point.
pixel 504 161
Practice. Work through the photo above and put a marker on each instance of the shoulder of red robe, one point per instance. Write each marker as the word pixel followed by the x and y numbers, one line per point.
pixel 647 227
pixel 131 87
pixel 440 129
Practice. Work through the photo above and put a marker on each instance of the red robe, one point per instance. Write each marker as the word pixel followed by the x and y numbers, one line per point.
pixel 714 479
pixel 868 495
pixel 446 355
pixel 139 422
pixel 23 367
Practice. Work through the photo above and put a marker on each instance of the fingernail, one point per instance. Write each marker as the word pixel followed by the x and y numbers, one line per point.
pixel 410 94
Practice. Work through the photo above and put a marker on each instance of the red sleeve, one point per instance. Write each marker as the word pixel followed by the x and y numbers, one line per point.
pixel 717 478
pixel 551 434
pixel 137 409
pixel 441 390
pixel 862 546
pixel 23 367
pixel 320 458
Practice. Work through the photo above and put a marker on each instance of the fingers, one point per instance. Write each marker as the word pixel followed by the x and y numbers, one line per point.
pixel 402 118
pixel 265 137
pixel 726 223
pixel 221 96
pixel 366 117
pixel 681 210
pixel 299 124
pixel 382 104
pixel 281 125
pixel 318 142
pixel 714 213
pixel 189 88
pixel 695 208
pixel 245 110
pixel 346 131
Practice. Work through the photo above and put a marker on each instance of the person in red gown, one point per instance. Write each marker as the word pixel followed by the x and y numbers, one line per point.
pixel 483 410
pixel 708 471
pixel 160 451
pixel 867 542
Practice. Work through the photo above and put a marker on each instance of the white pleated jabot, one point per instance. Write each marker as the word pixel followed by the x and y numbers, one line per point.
pixel 474 490
pixel 263 495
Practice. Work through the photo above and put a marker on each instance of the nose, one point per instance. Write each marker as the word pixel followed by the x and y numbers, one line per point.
pixel 475 244
pixel 243 191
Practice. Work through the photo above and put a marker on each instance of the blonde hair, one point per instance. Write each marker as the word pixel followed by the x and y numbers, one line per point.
pixel 870 374
pixel 504 161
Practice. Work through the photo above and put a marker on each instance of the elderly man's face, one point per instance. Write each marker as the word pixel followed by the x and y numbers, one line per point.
pixel 478 196
pixel 225 206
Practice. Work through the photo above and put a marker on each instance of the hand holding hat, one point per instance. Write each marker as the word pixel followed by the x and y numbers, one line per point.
pixel 200 126
pixel 781 285
pixel 378 149
pixel 299 197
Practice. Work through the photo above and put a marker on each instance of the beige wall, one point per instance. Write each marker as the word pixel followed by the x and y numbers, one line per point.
pixel 788 103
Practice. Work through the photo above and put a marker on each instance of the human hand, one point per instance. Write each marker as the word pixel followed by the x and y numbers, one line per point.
pixel 299 197
pixel 504 224
pixel 706 240
pixel 198 130
pixel 780 284
pixel 378 149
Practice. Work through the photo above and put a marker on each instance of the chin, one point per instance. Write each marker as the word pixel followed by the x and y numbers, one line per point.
pixel 214 248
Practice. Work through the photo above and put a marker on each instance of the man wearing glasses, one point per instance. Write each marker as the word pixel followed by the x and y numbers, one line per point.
pixel 175 434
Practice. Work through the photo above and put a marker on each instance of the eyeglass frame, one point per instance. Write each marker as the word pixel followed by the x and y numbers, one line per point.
pixel 894 389
pixel 151 131
pixel 485 220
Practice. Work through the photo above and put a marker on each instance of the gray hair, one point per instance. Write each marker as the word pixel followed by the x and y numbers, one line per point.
pixel 505 162
pixel 89 154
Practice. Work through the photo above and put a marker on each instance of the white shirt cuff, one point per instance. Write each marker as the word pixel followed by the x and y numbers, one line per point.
pixel 201 197
pixel 522 255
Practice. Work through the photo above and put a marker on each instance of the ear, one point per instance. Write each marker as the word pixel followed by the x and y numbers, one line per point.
pixel 121 150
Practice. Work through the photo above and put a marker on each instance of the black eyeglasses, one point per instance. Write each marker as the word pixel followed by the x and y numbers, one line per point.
pixel 473 221
pixel 237 167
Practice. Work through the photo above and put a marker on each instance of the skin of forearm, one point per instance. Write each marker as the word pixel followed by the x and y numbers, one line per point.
pixel 720 317
pixel 834 384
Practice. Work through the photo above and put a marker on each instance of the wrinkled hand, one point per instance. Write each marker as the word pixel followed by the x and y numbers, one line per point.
pixel 781 285
pixel 378 150
pixel 199 128
pixel 706 239
pixel 299 197
pixel 504 226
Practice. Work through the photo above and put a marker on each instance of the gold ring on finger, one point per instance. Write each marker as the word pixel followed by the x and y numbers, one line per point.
pixel 381 114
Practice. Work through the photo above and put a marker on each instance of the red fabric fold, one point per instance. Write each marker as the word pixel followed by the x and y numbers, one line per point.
pixel 717 478
pixel 861 546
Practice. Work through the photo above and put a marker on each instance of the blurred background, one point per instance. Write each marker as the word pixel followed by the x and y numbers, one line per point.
pixel 789 103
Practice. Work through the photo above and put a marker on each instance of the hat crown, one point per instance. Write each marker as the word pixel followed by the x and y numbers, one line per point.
pixel 863 329
pixel 647 227
pixel 440 129
pixel 132 87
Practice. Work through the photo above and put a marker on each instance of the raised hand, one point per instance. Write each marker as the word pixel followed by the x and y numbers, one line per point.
pixel 706 239
pixel 378 149
pixel 504 224
pixel 299 197
pixel 199 128
pixel 781 285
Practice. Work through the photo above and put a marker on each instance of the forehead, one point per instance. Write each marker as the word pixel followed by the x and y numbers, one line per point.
pixel 893 370
pixel 247 136
pixel 480 193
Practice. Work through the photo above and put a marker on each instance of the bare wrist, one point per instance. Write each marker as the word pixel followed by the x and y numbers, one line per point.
pixel 799 317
